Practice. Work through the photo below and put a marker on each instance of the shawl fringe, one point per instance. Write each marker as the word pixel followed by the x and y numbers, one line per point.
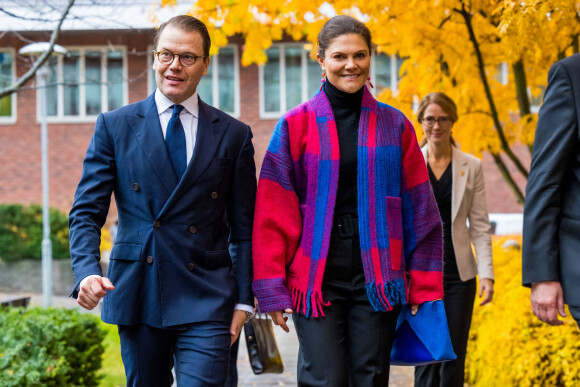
pixel 384 296
pixel 310 302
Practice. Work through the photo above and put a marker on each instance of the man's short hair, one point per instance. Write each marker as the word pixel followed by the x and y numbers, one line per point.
pixel 187 23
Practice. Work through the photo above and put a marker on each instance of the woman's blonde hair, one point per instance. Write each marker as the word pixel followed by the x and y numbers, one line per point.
pixel 445 103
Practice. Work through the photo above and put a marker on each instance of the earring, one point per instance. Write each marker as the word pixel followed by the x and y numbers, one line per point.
pixel 369 80
pixel 323 79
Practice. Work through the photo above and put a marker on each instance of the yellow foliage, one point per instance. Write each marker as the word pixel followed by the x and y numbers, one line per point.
pixel 508 346
pixel 453 46
pixel 106 240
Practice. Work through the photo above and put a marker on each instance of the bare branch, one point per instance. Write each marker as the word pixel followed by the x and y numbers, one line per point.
pixel 42 59
pixel 15 16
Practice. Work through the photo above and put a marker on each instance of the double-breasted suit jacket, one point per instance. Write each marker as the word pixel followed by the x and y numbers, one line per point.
pixel 183 247
pixel 468 202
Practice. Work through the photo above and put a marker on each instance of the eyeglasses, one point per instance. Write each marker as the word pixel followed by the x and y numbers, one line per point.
pixel 430 121
pixel 167 57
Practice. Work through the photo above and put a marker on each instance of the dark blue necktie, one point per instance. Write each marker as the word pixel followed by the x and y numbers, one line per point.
pixel 175 142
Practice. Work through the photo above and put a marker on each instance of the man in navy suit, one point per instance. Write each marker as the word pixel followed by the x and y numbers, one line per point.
pixel 179 279
pixel 551 239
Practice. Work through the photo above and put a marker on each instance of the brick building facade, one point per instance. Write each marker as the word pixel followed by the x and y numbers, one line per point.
pixel 70 127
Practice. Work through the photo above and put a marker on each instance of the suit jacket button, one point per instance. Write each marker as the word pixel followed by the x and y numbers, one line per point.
pixel 149 259
pixel 136 186
pixel 214 195
pixel 192 229
pixel 190 266
pixel 156 224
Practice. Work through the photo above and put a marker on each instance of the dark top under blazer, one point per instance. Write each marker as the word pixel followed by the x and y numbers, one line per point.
pixel 551 240
pixel 170 264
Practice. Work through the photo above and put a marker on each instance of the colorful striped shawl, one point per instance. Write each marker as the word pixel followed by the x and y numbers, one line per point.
pixel 399 224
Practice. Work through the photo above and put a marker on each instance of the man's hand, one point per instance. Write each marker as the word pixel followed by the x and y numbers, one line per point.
pixel 238 322
pixel 548 301
pixel 485 290
pixel 92 289
pixel 279 319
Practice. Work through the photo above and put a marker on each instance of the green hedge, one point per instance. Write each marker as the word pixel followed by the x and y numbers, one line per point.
pixel 21 232
pixel 49 347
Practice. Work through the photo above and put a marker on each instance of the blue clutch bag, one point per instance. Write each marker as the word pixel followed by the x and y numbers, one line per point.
pixel 422 338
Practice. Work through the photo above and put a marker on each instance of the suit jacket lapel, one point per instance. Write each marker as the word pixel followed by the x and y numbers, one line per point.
pixel 210 131
pixel 147 129
pixel 460 175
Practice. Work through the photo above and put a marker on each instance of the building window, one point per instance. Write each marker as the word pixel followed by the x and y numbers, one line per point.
pixel 290 77
pixel 385 72
pixel 86 82
pixel 221 86
pixel 8 103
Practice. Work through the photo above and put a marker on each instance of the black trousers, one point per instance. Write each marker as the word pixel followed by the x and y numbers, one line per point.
pixel 458 300
pixel 351 345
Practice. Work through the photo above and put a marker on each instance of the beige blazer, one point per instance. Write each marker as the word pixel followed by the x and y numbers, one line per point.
pixel 468 203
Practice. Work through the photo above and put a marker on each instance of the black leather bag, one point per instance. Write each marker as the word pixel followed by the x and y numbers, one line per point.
pixel 262 349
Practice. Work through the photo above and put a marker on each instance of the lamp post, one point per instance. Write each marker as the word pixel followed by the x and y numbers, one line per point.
pixel 36 49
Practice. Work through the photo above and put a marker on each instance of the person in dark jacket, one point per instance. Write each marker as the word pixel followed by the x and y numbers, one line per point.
pixel 183 174
pixel 551 240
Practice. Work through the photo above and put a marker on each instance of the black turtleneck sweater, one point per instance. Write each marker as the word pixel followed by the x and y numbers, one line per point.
pixel 346 108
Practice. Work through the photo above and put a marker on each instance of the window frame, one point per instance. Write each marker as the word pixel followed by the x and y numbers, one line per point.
pixel 11 120
pixel 83 117
pixel 214 63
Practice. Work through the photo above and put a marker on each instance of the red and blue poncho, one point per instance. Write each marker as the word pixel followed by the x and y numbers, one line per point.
pixel 399 224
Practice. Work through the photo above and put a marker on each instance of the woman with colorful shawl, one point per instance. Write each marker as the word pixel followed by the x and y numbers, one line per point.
pixel 346 226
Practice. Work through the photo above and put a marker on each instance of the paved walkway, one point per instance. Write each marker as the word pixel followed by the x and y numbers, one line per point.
pixel 288 345
pixel 287 342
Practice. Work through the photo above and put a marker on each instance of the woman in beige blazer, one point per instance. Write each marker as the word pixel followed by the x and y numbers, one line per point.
pixel 457 181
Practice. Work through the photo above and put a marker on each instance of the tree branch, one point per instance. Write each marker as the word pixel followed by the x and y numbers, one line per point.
pixel 15 16
pixel 42 59
pixel 503 141
pixel 521 87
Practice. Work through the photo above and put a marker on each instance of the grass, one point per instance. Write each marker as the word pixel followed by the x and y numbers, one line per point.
pixel 112 368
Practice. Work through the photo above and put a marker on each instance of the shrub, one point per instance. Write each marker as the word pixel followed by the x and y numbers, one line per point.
pixel 508 346
pixel 49 347
pixel 21 232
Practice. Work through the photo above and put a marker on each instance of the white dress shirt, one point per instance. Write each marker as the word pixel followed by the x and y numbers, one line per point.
pixel 189 117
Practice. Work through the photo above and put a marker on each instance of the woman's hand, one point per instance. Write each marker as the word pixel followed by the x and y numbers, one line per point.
pixel 485 290
pixel 279 319
pixel 414 309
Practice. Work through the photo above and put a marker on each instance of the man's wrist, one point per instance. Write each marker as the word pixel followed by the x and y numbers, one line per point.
pixel 247 309
pixel 249 316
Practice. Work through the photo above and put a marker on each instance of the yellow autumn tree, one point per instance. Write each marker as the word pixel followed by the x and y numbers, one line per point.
pixel 458 47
